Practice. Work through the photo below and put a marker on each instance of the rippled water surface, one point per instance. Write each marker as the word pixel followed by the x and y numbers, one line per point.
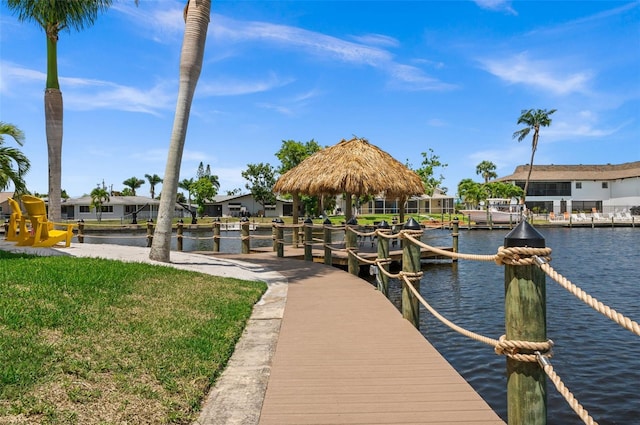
pixel 598 360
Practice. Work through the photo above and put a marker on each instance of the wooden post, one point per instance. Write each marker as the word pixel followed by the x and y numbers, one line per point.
pixel 351 243
pixel 274 234
pixel 328 256
pixel 308 240
pixel 280 238
pixel 216 236
pixel 149 233
pixel 81 231
pixel 244 236
pixel 525 320
pixel 383 252
pixel 455 234
pixel 179 235
pixel 411 265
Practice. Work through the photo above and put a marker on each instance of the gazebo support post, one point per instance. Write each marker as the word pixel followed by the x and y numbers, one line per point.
pixel 348 207
pixel 296 205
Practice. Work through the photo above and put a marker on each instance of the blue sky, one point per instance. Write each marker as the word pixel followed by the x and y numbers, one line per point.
pixel 451 76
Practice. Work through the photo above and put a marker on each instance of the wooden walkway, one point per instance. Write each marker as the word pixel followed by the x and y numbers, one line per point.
pixel 345 355
pixel 341 258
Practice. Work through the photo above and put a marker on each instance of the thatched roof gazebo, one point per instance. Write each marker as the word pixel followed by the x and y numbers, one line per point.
pixel 354 167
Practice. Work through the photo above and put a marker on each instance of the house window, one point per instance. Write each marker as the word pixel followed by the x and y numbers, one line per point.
pixel 107 208
pixel 605 185
pixel 85 209
pixel 578 185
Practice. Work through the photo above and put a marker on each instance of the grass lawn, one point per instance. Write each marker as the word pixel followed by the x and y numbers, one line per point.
pixel 94 341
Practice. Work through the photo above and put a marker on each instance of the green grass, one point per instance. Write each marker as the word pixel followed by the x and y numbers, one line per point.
pixel 93 341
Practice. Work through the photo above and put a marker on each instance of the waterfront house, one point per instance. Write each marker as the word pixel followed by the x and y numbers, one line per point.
pixel 438 203
pixel 245 206
pixel 5 210
pixel 604 189
pixel 117 208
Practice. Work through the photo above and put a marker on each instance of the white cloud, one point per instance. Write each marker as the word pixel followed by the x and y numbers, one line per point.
pixel 520 69
pixel 497 5
pixel 377 40
pixel 327 47
pixel 234 87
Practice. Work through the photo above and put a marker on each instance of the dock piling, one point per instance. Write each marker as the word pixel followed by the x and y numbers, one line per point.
pixel 525 320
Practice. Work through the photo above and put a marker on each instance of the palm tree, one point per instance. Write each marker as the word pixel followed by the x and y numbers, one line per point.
pixel 133 183
pixel 187 184
pixel 153 181
pixel 487 170
pixel 533 119
pixel 99 196
pixel 10 157
pixel 53 17
pixel 196 16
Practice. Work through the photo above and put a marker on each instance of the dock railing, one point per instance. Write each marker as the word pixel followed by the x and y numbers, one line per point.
pixel 525 346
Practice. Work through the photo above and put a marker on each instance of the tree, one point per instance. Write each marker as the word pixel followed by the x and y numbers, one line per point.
pixel 99 196
pixel 234 192
pixel 487 170
pixel 203 191
pixel 53 17
pixel 187 184
pixel 533 119
pixel 262 178
pixel 196 15
pixel 133 183
pixel 153 181
pixel 430 161
pixel 291 154
pixel 465 190
pixel 13 163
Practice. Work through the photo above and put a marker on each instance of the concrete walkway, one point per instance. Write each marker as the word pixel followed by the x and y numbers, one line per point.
pixel 321 347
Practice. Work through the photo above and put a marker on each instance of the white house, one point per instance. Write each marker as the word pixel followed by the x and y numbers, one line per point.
pixel 580 188
pixel 245 205
pixel 118 207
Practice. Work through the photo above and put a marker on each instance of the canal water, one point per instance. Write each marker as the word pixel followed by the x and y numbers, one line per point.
pixel 598 360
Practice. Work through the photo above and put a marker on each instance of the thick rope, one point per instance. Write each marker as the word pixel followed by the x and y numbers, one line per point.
pixel 509 348
pixel 521 256
pixel 475 257
pixel 598 306
pixel 564 391
pixel 359 258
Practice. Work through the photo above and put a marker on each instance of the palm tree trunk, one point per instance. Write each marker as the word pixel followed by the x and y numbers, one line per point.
pixel 197 21
pixel 53 119
pixel 534 147
pixel 53 126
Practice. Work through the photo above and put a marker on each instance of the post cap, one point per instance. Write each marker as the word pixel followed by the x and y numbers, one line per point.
pixel 326 221
pixel 308 221
pixel 384 225
pixel 411 224
pixel 279 220
pixel 352 221
pixel 523 235
pixel 244 219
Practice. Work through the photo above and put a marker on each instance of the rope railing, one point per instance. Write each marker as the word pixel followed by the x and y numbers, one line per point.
pixel 592 302
pixel 524 351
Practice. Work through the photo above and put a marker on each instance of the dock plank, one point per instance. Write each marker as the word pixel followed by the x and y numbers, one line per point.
pixel 345 355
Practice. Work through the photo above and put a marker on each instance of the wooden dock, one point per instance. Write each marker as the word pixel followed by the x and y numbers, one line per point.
pixel 340 258
pixel 345 355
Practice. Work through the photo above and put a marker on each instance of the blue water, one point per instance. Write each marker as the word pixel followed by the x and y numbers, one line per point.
pixel 598 360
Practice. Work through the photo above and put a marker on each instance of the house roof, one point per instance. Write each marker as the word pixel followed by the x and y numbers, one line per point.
pixel 575 172
pixel 4 196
